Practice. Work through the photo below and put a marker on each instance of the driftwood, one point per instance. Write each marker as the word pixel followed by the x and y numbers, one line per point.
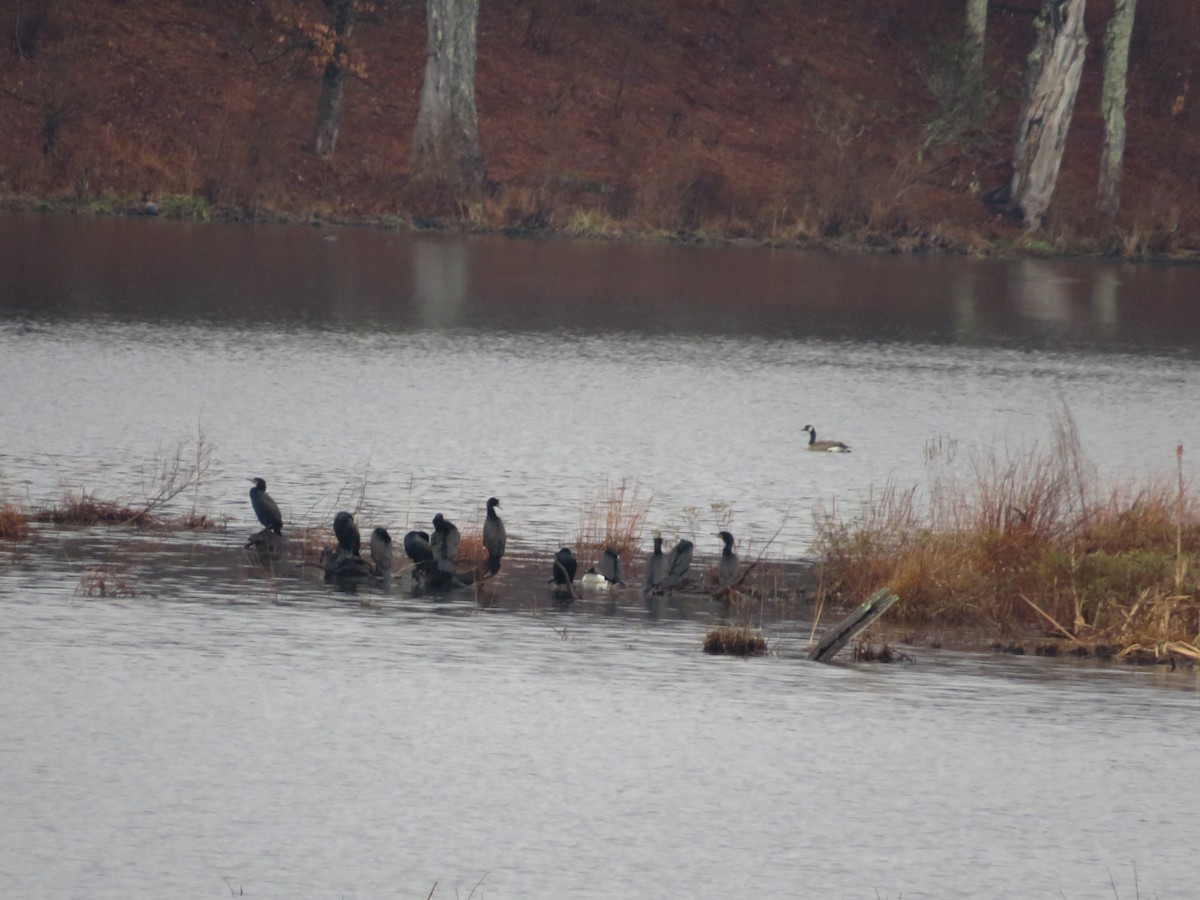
pixel 842 633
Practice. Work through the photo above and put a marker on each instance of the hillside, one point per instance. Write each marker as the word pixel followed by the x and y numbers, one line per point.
pixel 792 121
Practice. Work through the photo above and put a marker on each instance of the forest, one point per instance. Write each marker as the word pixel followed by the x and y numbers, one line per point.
pixel 876 124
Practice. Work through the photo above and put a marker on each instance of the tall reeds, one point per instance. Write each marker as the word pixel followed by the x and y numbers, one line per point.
pixel 1029 539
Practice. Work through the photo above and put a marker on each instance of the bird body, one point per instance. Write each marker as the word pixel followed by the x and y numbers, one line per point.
pixel 593 579
pixel 610 566
pixel 678 561
pixel 444 543
pixel 495 538
pixel 727 566
pixel 381 551
pixel 823 446
pixel 266 509
pixel 565 567
pixel 347 533
pixel 656 568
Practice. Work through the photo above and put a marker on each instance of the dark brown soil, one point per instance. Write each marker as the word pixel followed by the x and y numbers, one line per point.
pixel 793 121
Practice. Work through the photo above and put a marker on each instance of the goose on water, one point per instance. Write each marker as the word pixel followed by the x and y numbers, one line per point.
pixel 823 446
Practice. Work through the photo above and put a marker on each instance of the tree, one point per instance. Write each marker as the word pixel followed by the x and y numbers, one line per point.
pixel 1051 82
pixel 445 153
pixel 976 29
pixel 1112 106
pixel 329 105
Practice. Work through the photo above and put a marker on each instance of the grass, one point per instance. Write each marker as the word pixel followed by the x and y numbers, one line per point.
pixel 14 524
pixel 735 640
pixel 614 516
pixel 1028 541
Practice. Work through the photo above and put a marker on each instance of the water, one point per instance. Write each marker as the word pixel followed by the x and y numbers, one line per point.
pixel 224 733
pixel 439 371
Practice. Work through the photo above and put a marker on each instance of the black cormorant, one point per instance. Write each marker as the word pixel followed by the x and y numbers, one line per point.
pixel 265 508
pixel 610 566
pixel 678 561
pixel 381 551
pixel 823 446
pixel 565 567
pixel 444 543
pixel 656 568
pixel 494 536
pixel 727 567
pixel 347 533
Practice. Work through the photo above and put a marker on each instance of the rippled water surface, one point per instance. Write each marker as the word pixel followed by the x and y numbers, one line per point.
pixel 223 732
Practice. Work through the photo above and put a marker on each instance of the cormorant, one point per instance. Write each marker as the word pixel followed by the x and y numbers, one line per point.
pixel 265 508
pixel 678 561
pixel 656 568
pixel 381 551
pixel 824 446
pixel 417 548
pixel 610 566
pixel 727 567
pixel 494 536
pixel 444 544
pixel 565 567
pixel 347 533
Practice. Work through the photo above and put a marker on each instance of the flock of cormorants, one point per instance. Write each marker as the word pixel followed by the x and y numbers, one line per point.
pixel 432 556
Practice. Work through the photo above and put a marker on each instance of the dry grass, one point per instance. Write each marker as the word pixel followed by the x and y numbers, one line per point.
pixel 85 509
pixel 14 524
pixel 107 580
pixel 615 516
pixel 1029 541
pixel 735 640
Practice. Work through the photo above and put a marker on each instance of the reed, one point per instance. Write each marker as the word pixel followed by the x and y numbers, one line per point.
pixel 734 640
pixel 14 524
pixel 1028 541
pixel 107 580
pixel 613 516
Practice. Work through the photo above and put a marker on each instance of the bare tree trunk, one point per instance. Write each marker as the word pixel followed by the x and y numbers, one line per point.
pixel 446 153
pixel 1112 106
pixel 976 30
pixel 1051 81
pixel 329 105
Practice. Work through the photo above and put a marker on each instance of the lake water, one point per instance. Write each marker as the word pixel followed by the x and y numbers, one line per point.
pixel 221 733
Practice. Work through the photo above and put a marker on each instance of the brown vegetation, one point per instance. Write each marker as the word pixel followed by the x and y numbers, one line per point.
pixel 1031 542
pixel 14 524
pixel 614 516
pixel 735 640
pixel 777 120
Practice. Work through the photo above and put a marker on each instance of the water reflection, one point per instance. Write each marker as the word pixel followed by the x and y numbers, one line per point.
pixel 163 271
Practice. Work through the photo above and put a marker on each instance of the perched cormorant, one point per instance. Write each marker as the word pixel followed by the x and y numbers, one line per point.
pixel 678 561
pixel 381 551
pixel 823 446
pixel 565 567
pixel 494 536
pixel 347 533
pixel 265 508
pixel 417 547
pixel 656 568
pixel 727 567
pixel 444 543
pixel 610 566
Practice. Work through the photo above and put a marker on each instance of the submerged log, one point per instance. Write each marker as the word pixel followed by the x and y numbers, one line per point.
pixel 842 633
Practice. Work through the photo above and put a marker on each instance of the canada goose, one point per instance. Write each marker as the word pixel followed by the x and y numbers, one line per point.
pixel 347 533
pixel 495 538
pixel 265 508
pixel 727 567
pixel 824 446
